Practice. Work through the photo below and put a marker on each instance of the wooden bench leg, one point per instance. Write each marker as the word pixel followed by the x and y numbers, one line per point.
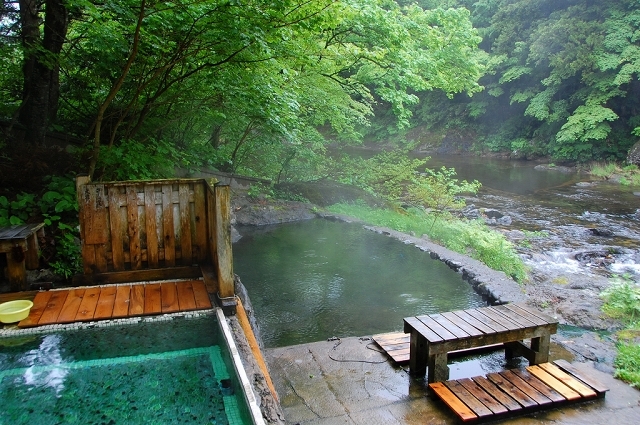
pixel 540 349
pixel 418 353
pixel 438 370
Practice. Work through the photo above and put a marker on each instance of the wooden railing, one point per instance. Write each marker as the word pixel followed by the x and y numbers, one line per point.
pixel 157 229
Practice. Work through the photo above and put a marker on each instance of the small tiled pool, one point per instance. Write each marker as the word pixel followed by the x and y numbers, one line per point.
pixel 173 369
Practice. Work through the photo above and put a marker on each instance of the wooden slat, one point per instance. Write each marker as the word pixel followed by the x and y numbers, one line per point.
pixel 88 305
pixel 519 320
pixel 71 306
pixel 391 338
pixel 487 312
pixel 508 402
pixel 169 297
pixel 150 224
pixel 53 308
pixel 170 273
pixel 133 228
pixel 524 313
pixel 523 386
pixel 547 391
pixel 418 326
pixel 467 398
pixel 200 219
pixel 185 225
pixel 136 300
pixel 122 301
pixel 472 321
pixel 552 382
pixel 101 258
pixel 436 327
pixel 459 408
pixel 569 368
pixel 168 230
pixel 495 326
pixel 467 327
pixel 186 298
pixel 40 302
pixel 568 380
pixel 449 325
pixel 104 308
pixel 536 313
pixel 117 230
pixel 152 298
pixel 506 386
pixel 201 295
pixel 484 397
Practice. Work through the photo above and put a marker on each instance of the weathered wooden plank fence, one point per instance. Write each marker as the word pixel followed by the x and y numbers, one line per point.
pixel 156 229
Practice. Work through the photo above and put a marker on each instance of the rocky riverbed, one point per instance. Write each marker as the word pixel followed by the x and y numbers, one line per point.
pixel 572 298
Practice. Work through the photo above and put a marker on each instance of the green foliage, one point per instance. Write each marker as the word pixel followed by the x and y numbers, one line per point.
pixel 627 364
pixel 472 238
pixel 622 300
pixel 561 79
pixel 394 176
pixel 258 190
pixel 57 207
pixel 133 160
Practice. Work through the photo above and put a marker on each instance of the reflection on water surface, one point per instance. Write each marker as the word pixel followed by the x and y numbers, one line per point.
pixel 311 280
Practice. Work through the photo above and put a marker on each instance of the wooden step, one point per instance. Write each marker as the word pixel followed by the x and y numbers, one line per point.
pixel 111 302
pixel 396 345
pixel 515 391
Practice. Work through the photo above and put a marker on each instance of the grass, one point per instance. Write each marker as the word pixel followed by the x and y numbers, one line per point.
pixel 629 174
pixel 471 238
pixel 622 302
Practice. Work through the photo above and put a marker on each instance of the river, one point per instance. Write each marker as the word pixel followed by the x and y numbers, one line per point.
pixel 563 223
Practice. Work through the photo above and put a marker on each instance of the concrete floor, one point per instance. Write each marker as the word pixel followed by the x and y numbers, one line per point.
pixel 348 382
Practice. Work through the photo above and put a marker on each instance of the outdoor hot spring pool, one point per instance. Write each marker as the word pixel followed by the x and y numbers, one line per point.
pixel 315 279
pixel 156 371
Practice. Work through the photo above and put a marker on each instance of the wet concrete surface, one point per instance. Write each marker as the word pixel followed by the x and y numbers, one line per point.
pixel 348 381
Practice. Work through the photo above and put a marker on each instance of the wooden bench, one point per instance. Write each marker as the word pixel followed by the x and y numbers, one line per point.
pixel 514 392
pixel 20 244
pixel 434 336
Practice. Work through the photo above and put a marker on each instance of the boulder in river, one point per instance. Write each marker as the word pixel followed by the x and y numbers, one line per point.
pixel 601 232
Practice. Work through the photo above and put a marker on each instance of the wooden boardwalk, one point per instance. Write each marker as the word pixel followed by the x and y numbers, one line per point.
pixel 112 302
pixel 515 391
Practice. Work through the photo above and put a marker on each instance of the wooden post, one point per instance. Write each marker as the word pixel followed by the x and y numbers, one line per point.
pixel 81 181
pixel 223 253
pixel 16 272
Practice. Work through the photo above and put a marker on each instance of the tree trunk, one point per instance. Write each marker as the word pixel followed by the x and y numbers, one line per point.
pixel 41 89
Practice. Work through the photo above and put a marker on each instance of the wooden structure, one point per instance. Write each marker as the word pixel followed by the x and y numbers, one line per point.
pixel 20 245
pixel 433 336
pixel 517 391
pixel 154 230
pixel 115 301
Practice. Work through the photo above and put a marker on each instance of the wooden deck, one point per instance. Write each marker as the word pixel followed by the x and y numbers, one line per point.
pixel 116 301
pixel 515 391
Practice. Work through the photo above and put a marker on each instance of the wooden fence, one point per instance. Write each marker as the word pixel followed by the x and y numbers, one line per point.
pixel 157 229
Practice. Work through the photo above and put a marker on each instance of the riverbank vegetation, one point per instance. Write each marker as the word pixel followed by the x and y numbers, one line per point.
pixel 622 302
pixel 628 175
pixel 472 238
